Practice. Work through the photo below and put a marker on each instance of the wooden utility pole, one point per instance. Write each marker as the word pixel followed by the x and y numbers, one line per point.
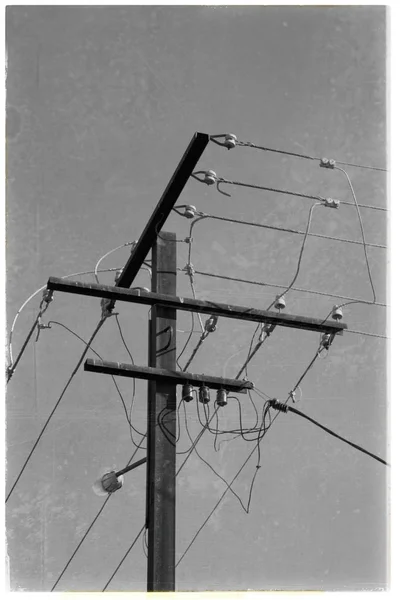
pixel 161 429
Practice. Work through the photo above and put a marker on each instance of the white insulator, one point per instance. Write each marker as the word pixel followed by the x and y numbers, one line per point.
pixel 230 141
pixel 280 302
pixel 210 177
pixel 118 275
pixel 204 394
pixel 337 313
pixel 187 392
pixel 222 398
pixel 190 211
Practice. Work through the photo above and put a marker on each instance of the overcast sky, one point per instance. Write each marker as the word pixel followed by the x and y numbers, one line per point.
pixel 101 104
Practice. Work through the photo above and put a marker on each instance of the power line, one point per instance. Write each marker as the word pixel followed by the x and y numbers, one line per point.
pixel 289 230
pixel 290 395
pixel 124 557
pixel 57 404
pixel 296 154
pixel 296 289
pixel 283 408
pixel 198 437
pixel 128 417
pixel 222 180
pixel 41 289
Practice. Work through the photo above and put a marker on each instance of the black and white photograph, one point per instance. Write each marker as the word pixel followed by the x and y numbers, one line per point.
pixel 196 298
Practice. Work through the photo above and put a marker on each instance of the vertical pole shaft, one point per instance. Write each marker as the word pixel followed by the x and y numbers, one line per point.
pixel 161 452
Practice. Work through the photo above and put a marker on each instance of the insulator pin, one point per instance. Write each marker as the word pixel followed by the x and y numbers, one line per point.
pixel 210 177
pixel 204 394
pixel 47 296
pixel 337 313
pixel 222 399
pixel 230 141
pixel 187 392
pixel 280 302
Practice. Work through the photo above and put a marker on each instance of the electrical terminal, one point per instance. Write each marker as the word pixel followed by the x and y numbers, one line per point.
pixel 211 324
pixel 331 202
pixel 327 163
pixel 47 296
pixel 278 405
pixel 107 306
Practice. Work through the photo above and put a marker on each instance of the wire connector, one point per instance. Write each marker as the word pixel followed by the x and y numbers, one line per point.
pixel 211 324
pixel 189 269
pixel 47 296
pixel 278 405
pixel 107 306
pixel 330 202
pixel 327 163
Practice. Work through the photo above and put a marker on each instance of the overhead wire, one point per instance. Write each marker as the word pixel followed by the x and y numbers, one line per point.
pixel 241 468
pixel 295 154
pixel 41 289
pixel 128 417
pixel 222 180
pixel 276 285
pixel 261 341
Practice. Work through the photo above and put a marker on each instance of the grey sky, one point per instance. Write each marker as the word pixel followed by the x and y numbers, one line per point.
pixel 102 102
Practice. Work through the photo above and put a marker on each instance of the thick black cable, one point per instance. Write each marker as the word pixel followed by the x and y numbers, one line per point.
pixel 356 446
pixel 241 469
pixel 56 405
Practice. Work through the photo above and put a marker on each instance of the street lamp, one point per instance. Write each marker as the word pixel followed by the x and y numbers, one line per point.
pixel 113 480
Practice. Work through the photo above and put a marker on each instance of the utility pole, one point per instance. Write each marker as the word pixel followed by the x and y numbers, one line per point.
pixel 163 379
pixel 161 425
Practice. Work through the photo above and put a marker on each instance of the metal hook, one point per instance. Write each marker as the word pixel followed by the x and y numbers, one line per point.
pixel 220 191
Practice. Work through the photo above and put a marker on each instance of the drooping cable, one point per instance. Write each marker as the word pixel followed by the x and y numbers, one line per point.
pixel 284 408
pixel 198 437
pixel 128 417
pixel 252 353
pixel 99 325
pixel 243 465
pixel 41 289
pixel 108 254
pixel 361 227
